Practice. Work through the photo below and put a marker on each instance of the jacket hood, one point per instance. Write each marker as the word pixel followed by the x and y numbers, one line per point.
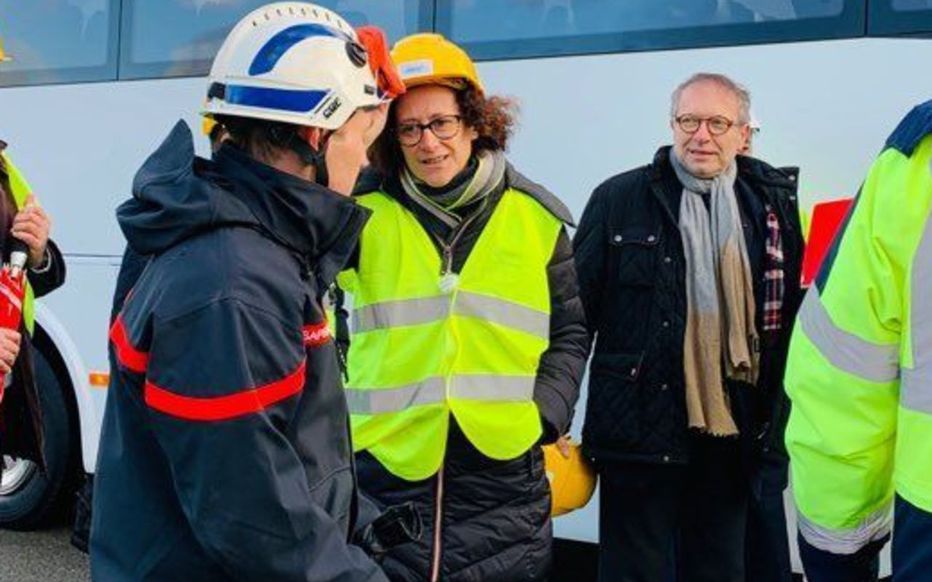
pixel 177 195
pixel 173 200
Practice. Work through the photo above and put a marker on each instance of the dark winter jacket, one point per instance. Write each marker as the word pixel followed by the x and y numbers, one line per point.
pixel 629 257
pixel 494 516
pixel 485 519
pixel 225 450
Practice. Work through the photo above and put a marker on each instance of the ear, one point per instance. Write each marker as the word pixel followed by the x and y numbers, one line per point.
pixel 472 133
pixel 312 136
pixel 745 132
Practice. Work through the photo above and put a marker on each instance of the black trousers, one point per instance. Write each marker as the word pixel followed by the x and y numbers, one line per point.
pixel 768 542
pixel 665 523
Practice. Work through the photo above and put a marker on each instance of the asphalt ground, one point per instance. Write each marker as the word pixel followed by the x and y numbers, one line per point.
pixel 41 556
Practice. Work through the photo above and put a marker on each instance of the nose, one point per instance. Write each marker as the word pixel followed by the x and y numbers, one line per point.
pixel 702 134
pixel 428 140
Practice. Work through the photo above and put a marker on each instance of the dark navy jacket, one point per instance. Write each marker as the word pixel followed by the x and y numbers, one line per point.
pixel 225 451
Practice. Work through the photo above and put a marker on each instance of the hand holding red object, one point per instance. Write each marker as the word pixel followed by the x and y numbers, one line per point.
pixel 380 61
pixel 12 291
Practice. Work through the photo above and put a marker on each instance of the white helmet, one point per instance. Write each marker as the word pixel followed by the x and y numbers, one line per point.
pixel 292 62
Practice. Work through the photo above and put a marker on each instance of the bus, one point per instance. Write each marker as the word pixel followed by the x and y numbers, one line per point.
pixel 94 85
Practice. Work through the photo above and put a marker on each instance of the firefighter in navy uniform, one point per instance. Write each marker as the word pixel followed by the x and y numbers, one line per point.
pixel 225 451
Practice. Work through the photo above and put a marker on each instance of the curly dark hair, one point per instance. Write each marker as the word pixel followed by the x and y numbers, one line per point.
pixel 493 118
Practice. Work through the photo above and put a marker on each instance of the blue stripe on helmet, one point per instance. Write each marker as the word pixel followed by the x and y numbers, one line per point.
pixel 267 57
pixel 281 99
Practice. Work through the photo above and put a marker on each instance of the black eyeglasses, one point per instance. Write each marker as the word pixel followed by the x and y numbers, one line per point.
pixel 717 124
pixel 444 127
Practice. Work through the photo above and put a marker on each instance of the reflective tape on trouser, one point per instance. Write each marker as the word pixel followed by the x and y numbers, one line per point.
pixel 846 351
pixel 849 540
pixel 483 387
pixel 916 387
pixel 424 310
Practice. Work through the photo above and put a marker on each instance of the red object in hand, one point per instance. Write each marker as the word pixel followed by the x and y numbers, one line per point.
pixel 380 61
pixel 827 218
pixel 12 291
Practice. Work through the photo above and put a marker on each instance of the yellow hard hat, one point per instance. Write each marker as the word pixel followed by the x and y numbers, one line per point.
pixel 207 125
pixel 572 480
pixel 3 55
pixel 429 58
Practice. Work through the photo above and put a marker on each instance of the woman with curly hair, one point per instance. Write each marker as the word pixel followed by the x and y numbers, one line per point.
pixel 468 339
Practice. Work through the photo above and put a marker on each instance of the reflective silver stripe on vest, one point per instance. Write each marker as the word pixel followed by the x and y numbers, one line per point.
pixel 846 351
pixel 381 400
pixel 401 312
pixel 424 310
pixel 916 388
pixel 492 388
pixel 503 312
pixel 846 541
pixel 485 387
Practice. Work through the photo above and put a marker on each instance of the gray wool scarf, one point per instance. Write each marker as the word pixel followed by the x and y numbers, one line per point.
pixel 490 171
pixel 720 326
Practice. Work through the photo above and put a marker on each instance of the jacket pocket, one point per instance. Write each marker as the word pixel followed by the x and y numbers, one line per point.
pixel 635 248
pixel 613 411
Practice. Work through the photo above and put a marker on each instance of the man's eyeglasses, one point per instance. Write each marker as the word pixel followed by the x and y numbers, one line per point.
pixel 444 127
pixel 717 125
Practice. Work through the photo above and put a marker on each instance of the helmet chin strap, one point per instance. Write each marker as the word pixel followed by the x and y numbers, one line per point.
pixel 312 157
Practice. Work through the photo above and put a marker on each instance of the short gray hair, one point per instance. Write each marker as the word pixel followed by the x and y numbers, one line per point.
pixel 739 91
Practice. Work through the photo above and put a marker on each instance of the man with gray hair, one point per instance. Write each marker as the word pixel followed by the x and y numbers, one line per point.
pixel 689 271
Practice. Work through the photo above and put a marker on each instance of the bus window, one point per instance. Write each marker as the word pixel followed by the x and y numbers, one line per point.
pixel 523 28
pixel 58 41
pixel 911 5
pixel 180 38
pixel 893 17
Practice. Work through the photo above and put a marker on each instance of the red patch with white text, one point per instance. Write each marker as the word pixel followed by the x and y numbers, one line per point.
pixel 316 334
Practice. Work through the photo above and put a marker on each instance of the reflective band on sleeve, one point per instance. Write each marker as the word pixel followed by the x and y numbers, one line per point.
pixel 382 400
pixel 126 354
pixel 916 387
pixel 846 541
pixel 228 407
pixel 506 313
pixel 846 351
pixel 398 313
pixel 492 388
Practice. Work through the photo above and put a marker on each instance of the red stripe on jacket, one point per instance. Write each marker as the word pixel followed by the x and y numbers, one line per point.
pixel 227 407
pixel 128 356
pixel 316 334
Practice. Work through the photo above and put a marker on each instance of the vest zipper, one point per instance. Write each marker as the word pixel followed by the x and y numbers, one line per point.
pixel 447 248
pixel 438 518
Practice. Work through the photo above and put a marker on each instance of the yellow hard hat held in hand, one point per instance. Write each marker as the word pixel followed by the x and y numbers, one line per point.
pixel 572 478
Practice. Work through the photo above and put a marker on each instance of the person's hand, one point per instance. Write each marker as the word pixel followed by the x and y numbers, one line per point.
pixel 563 445
pixel 31 225
pixel 9 349
pixel 346 148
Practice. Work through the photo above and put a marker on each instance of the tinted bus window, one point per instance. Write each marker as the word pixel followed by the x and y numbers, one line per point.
pixel 911 5
pixel 495 29
pixel 180 37
pixel 893 17
pixel 58 41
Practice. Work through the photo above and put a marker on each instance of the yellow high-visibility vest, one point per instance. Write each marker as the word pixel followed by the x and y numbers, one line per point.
pixel 426 345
